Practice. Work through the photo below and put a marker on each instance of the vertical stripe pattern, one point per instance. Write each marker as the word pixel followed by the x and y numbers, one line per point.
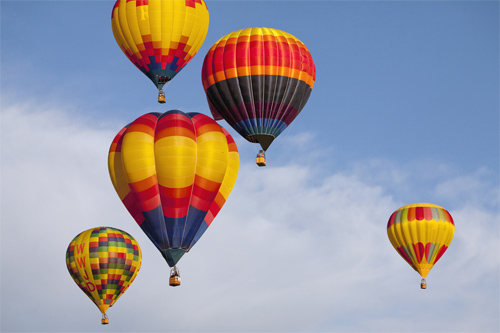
pixel 421 233
pixel 258 80
pixel 173 172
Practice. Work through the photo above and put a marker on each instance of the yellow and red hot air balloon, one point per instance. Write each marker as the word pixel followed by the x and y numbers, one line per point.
pixel 421 233
pixel 160 36
pixel 103 262
pixel 173 172
pixel 258 80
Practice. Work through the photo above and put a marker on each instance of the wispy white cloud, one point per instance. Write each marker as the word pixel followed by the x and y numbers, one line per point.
pixel 296 248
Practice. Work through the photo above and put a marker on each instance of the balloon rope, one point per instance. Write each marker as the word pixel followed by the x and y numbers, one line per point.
pixel 280 140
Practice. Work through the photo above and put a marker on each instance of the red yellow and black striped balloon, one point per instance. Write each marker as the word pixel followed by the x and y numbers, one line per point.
pixel 173 172
pixel 258 80
pixel 421 233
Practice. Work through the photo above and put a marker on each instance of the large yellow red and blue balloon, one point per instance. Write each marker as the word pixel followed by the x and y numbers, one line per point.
pixel 421 233
pixel 160 36
pixel 173 172
pixel 103 262
pixel 258 80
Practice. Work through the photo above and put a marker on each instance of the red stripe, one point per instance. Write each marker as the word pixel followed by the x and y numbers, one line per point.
pixel 419 251
pixel 144 194
pixel 133 208
pixel 442 250
pixel 116 145
pixel 448 217
pixel 114 7
pixel 426 251
pixel 200 203
pixel 148 199
pixel 143 128
pixel 175 201
pixel 204 194
pixel 230 140
pixel 404 255
pixel 427 213
pixel 200 120
pixel 209 218
pixel 180 192
pixel 173 121
pixel 391 220
pixel 175 207
pixel 229 56
pixel 175 131
pixel 175 212
pixel 419 213
pixel 211 126
pixel 149 120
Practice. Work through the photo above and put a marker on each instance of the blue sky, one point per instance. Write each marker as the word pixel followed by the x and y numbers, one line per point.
pixel 405 109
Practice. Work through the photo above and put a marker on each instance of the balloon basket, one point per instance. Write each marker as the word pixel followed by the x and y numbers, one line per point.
pixel 104 319
pixel 423 284
pixel 175 278
pixel 161 97
pixel 261 159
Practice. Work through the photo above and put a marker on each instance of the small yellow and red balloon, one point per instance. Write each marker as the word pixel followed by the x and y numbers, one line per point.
pixel 421 233
pixel 103 262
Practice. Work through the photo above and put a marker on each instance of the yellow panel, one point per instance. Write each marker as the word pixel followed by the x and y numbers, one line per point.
pixel 117 174
pixel 172 32
pixel 200 29
pixel 138 156
pixel 85 271
pixel 233 164
pixel 133 23
pixel 155 20
pixel 175 161
pixel 128 39
pixel 212 156
pixel 143 20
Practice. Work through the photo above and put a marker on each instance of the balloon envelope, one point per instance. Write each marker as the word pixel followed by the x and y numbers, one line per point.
pixel 160 36
pixel 103 262
pixel 173 172
pixel 421 233
pixel 258 80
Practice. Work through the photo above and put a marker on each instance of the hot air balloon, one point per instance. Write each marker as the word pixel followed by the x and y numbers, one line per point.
pixel 173 172
pixel 421 233
pixel 258 80
pixel 160 36
pixel 103 261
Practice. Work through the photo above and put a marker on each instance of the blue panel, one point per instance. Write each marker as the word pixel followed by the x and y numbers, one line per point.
pixel 193 223
pixel 260 126
pixel 154 228
pixel 199 233
pixel 175 229
pixel 173 65
pixel 153 64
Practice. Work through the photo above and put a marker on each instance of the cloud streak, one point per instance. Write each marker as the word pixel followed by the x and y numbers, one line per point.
pixel 296 248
